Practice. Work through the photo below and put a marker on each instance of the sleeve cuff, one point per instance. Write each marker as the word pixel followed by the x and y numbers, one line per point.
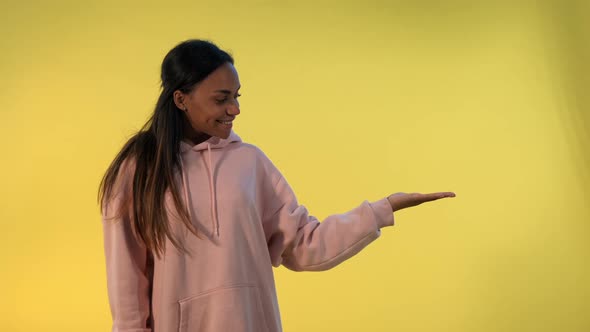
pixel 383 212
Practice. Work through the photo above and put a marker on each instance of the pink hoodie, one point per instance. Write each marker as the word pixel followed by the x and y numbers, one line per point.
pixel 250 221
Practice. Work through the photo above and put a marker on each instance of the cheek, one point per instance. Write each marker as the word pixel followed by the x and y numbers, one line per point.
pixel 195 119
pixel 216 112
pixel 201 117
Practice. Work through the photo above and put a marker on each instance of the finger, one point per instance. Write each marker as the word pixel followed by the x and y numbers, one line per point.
pixel 446 194
pixel 439 195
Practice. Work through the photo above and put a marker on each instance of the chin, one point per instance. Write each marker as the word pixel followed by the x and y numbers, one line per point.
pixel 224 135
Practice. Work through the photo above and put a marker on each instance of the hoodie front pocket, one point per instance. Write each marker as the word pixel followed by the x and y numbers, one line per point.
pixel 234 308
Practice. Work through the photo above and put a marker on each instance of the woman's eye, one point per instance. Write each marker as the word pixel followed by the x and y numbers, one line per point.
pixel 221 101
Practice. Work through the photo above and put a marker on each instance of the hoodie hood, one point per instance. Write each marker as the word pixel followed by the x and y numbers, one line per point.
pixel 212 143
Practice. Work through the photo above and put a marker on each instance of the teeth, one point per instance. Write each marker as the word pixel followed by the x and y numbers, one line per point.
pixel 225 122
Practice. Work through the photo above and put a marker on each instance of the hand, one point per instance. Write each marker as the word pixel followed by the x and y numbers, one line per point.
pixel 400 201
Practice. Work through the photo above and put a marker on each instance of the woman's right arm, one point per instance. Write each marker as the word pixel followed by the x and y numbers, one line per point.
pixel 129 271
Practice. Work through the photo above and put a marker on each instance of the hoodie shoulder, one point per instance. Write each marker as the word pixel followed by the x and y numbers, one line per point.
pixel 254 150
pixel 263 162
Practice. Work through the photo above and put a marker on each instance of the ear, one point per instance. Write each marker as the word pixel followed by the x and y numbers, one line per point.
pixel 179 99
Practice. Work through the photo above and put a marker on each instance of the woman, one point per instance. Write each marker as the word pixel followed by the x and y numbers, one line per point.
pixel 194 219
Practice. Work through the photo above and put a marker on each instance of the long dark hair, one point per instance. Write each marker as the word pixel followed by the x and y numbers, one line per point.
pixel 154 150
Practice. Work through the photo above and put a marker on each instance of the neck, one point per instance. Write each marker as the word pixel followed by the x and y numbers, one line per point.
pixel 197 139
pixel 194 137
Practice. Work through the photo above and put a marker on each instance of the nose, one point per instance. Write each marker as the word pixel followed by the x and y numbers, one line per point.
pixel 233 109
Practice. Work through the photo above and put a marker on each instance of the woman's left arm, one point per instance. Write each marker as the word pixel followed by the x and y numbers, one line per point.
pixel 301 242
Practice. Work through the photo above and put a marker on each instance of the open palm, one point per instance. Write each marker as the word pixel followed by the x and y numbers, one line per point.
pixel 400 201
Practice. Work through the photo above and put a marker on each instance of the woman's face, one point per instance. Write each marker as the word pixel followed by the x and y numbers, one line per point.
pixel 212 105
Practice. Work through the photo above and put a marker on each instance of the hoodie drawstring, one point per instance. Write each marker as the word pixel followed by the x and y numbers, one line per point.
pixel 212 192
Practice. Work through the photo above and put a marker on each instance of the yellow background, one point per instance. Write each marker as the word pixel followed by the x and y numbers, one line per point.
pixel 352 101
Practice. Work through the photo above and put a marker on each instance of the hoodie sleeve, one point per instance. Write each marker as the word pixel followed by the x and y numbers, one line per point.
pixel 129 267
pixel 301 242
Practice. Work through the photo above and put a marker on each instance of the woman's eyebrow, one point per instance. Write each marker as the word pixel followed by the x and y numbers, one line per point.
pixel 226 91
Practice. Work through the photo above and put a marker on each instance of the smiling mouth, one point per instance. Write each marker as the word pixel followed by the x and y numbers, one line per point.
pixel 225 122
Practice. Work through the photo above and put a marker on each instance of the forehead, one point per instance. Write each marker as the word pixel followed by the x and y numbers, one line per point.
pixel 225 77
